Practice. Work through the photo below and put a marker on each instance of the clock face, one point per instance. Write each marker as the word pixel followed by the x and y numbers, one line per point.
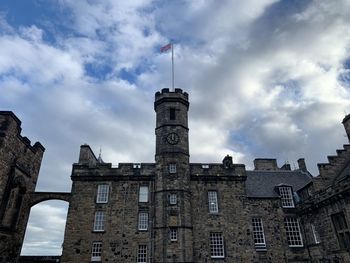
pixel 172 138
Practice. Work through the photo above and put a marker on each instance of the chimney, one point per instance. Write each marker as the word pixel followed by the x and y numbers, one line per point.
pixel 346 123
pixel 302 165
pixel 265 164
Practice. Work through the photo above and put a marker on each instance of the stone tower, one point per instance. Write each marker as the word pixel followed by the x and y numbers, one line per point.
pixel 19 169
pixel 173 222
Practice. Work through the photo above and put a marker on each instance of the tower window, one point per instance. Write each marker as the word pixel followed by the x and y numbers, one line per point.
pixel 142 254
pixel 96 251
pixel 173 234
pixel 213 202
pixel 173 199
pixel 99 221
pixel 143 194
pixel 143 221
pixel 172 168
pixel 172 114
pixel 216 245
pixel 102 193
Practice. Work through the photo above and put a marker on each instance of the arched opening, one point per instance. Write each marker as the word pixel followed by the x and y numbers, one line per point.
pixel 45 229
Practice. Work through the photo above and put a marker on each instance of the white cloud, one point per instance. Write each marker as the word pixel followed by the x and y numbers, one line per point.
pixel 264 80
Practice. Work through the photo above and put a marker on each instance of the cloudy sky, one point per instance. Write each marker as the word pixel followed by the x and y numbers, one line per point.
pixel 266 79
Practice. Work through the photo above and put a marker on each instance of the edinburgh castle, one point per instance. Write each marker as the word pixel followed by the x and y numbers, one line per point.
pixel 173 210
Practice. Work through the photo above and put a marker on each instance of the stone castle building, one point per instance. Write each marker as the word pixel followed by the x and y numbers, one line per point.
pixel 176 211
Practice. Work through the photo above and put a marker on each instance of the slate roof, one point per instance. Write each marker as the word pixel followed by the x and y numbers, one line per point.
pixel 261 184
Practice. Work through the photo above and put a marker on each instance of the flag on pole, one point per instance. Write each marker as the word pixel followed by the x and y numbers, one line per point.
pixel 165 48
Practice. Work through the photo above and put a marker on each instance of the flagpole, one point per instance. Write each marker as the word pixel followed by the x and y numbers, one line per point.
pixel 172 63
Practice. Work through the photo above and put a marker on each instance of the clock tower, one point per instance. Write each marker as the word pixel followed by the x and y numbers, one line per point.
pixel 173 218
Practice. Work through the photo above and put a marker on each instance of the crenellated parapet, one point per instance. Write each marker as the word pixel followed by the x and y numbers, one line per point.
pixel 165 95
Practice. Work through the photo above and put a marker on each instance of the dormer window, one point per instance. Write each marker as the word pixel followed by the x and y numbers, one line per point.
pixel 286 195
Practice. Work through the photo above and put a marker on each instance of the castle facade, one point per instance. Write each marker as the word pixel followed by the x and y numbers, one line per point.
pixel 176 211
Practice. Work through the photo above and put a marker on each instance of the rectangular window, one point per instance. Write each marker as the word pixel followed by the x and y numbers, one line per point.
pixel 173 199
pixel 142 254
pixel 286 197
pixel 136 166
pixel 172 168
pixel 96 251
pixel 258 233
pixel 102 193
pixel 292 227
pixel 172 114
pixel 205 166
pixel 143 194
pixel 213 202
pixel 315 234
pixel 342 230
pixel 143 221
pixel 173 234
pixel 99 223
pixel 216 245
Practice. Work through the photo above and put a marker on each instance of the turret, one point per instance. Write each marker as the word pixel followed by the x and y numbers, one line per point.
pixel 346 123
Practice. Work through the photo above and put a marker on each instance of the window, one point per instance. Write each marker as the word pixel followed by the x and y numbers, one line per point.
pixel 136 166
pixel 143 194
pixel 291 225
pixel 173 234
pixel 99 223
pixel 315 234
pixel 213 202
pixel 172 114
pixel 96 251
pixel 342 230
pixel 142 254
pixel 205 166
pixel 216 245
pixel 143 221
pixel 102 193
pixel 258 233
pixel 172 168
pixel 286 197
pixel 173 199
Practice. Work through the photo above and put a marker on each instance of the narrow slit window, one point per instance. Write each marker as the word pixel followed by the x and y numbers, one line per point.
pixel 172 114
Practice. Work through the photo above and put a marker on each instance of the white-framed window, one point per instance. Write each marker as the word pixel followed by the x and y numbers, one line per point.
pixel 143 194
pixel 173 234
pixel 173 199
pixel 142 254
pixel 99 223
pixel 205 166
pixel 96 251
pixel 258 233
pixel 286 196
pixel 143 221
pixel 213 202
pixel 102 193
pixel 172 168
pixel 292 227
pixel 315 234
pixel 217 245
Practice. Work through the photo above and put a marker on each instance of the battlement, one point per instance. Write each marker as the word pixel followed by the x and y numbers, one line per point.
pixel 165 95
pixel 10 125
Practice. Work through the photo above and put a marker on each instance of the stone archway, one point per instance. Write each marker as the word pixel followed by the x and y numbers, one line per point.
pixel 45 217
